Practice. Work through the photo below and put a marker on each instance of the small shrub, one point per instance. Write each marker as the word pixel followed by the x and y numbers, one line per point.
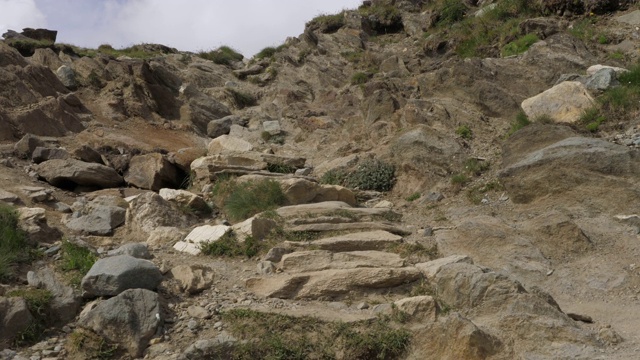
pixel 413 197
pixel 592 119
pixel 603 39
pixel 228 245
pixel 352 56
pixel 520 45
pixel 360 78
pixel 583 29
pixel 328 24
pixel 85 344
pixel 451 11
pixel 617 55
pixel 75 257
pixel 520 121
pixel 252 197
pixel 334 177
pixel 476 167
pixel 266 53
pixel 459 179
pixel 465 132
pixel 380 341
pixel 223 55
pixel 281 168
pixel 13 242
pixel 372 175
pixel 241 99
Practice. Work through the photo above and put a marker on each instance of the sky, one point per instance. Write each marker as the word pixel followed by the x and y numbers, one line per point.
pixel 188 25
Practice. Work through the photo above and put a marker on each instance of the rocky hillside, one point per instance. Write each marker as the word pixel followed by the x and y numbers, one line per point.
pixel 408 180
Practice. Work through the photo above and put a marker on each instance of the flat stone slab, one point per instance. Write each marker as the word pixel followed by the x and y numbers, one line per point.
pixel 351 227
pixel 199 236
pixel 331 283
pixel 369 240
pixel 430 269
pixel 632 18
pixel 317 260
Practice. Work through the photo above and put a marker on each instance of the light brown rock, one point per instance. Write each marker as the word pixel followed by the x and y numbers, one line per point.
pixel 193 279
pixel 316 260
pixel 564 102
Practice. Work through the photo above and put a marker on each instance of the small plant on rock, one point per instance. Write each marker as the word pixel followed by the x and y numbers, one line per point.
pixel 372 175
pixel 464 132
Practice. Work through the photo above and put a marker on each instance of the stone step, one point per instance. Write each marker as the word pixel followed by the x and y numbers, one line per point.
pixel 331 283
pixel 322 311
pixel 317 260
pixel 368 225
pixel 360 241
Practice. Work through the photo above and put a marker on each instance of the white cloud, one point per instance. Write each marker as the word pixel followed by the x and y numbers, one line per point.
pixel 19 14
pixel 247 25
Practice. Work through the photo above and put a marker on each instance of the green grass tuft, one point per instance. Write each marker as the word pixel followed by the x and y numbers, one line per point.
pixel 224 55
pixel 229 246
pixel 13 243
pixel 519 122
pixel 520 45
pixel 413 197
pixel 252 197
pixel 464 132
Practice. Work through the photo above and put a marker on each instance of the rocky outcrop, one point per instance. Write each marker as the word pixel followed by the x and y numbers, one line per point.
pixel 152 172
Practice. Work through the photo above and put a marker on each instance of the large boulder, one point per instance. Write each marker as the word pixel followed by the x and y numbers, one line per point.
pixel 15 318
pixel 150 211
pixel 112 275
pixel 130 319
pixel 564 102
pixel 70 173
pixel 152 172
pixel 97 219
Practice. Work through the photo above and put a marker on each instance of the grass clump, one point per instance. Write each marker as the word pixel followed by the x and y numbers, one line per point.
pixel 266 53
pixel 451 11
pixel 518 123
pixel 13 243
pixel 327 23
pixel 281 168
pixel 477 193
pixel 76 261
pixel 285 337
pixel 241 99
pixel 372 174
pixel 592 119
pixel 520 45
pixel 464 132
pixel 413 197
pixel 360 78
pixel 85 344
pixel 243 200
pixel 229 246
pixel 224 55
pixel 476 167
pixel 383 19
pixel 334 177
pixel 27 47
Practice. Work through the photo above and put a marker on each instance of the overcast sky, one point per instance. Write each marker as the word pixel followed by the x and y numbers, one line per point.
pixel 192 25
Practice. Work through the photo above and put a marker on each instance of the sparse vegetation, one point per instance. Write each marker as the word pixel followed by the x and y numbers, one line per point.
pixel 360 78
pixel 519 45
pixel 85 344
pixel 13 243
pixel 519 122
pixel 415 252
pixel 476 167
pixel 241 99
pixel 266 53
pixel 372 175
pixel 477 193
pixel 326 23
pixel 284 337
pixel 464 132
pixel 228 245
pixel 592 119
pixel 27 47
pixel 243 200
pixel 451 11
pixel 334 177
pixel 281 168
pixel 413 197
pixel 223 55
pixel 38 301
pixel 383 18
pixel 77 261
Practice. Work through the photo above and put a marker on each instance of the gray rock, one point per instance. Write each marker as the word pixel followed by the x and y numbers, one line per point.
pixel 136 250
pixel 41 154
pixel 632 18
pixel 130 319
pixel 8 197
pixel 304 172
pixel 220 347
pixel 152 172
pixel 113 275
pixel 434 196
pixel 275 254
pixel 272 127
pixel 65 303
pixel 14 319
pixel 88 154
pixel 67 77
pixel 602 80
pixel 102 220
pixel 37 193
pixel 34 222
pixel 25 147
pixel 219 127
pixel 70 172
pixel 265 268
pixel 150 211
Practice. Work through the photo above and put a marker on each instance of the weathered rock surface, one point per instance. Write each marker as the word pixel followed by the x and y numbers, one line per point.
pixel 228 144
pixel 14 319
pixel 256 227
pixel 420 308
pixel 369 240
pixel 331 283
pixel 150 211
pixel 200 236
pixel 112 275
pixel 564 102
pixel 65 303
pixel 193 279
pixel 431 268
pixel 316 260
pixel 152 172
pixel 130 319
pixel 70 173
pixel 136 250
pixel 186 199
